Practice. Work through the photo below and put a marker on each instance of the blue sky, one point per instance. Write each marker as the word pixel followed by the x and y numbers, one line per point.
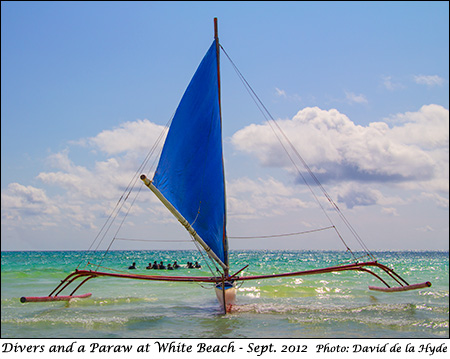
pixel 361 88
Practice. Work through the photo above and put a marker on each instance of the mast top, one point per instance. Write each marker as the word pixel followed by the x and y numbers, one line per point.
pixel 216 30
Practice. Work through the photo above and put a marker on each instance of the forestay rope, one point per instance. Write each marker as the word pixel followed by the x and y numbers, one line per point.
pixel 123 198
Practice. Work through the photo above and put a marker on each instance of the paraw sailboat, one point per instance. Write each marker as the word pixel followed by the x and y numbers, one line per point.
pixel 190 181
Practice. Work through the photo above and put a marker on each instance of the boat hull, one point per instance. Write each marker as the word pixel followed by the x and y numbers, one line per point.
pixel 226 295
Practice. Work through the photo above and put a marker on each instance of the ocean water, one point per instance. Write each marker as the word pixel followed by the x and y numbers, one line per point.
pixel 333 305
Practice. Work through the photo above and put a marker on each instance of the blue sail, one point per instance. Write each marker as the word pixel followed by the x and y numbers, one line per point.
pixel 190 171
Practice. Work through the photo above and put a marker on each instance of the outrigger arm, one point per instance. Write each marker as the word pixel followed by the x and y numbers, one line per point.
pixel 89 274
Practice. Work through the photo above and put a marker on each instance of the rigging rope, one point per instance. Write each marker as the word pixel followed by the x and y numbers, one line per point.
pixel 271 121
pixel 283 235
pixel 124 197
pixel 152 240
pixel 213 262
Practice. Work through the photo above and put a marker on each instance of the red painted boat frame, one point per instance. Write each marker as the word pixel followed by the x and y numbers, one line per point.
pixel 89 274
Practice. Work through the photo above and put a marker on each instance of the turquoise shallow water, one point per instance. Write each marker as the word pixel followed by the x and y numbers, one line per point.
pixel 334 305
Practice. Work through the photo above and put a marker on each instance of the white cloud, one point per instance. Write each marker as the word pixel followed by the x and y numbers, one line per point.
pixel 249 198
pixel 357 163
pixel 86 193
pixel 28 206
pixel 283 94
pixel 26 199
pixel 354 196
pixel 436 198
pixel 411 155
pixel 427 128
pixel 279 92
pixel 425 229
pixel 390 84
pixel 81 182
pixel 126 145
pixel 132 136
pixel 353 98
pixel 390 211
pixel 433 80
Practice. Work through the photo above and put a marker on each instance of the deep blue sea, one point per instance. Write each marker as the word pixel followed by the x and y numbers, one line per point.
pixel 334 305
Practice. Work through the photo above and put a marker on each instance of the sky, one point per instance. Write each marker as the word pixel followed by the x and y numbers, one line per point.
pixel 360 88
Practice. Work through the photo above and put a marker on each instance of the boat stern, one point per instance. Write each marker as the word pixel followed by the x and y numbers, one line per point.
pixel 226 294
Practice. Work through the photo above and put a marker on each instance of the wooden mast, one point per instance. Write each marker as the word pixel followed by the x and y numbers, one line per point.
pixel 224 239
pixel 216 37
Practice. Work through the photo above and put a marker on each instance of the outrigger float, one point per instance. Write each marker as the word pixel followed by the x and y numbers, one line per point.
pixel 189 180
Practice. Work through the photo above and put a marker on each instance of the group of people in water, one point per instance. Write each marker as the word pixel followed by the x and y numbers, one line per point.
pixel 169 266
